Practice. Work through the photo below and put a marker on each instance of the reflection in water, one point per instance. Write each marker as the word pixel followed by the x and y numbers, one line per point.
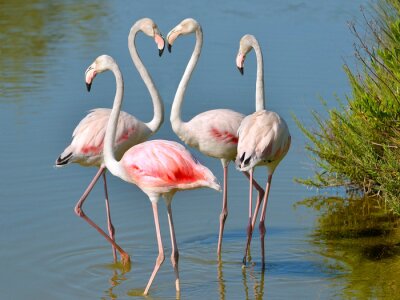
pixel 221 281
pixel 361 240
pixel 258 283
pixel 116 279
pixel 258 287
pixel 30 33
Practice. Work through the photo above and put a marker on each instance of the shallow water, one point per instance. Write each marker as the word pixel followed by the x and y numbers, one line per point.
pixel 48 253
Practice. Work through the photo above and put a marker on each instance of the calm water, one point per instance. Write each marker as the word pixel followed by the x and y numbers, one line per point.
pixel 48 253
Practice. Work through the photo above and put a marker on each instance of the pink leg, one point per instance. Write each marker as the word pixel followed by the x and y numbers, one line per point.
pixel 262 219
pixel 79 211
pixel 224 212
pixel 175 252
pixel 249 229
pixel 111 229
pixel 250 226
pixel 160 258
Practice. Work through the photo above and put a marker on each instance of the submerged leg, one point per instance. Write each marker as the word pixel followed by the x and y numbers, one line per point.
pixel 79 211
pixel 262 219
pixel 224 212
pixel 160 258
pixel 111 229
pixel 175 252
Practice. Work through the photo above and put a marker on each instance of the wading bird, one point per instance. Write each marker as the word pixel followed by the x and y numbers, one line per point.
pixel 213 132
pixel 264 140
pixel 159 168
pixel 87 143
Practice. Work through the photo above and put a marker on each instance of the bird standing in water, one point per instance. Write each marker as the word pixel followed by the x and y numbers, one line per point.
pixel 87 143
pixel 159 168
pixel 213 132
pixel 264 140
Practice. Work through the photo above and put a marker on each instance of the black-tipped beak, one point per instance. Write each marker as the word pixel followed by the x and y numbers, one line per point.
pixel 241 70
pixel 169 48
pixel 88 86
pixel 160 51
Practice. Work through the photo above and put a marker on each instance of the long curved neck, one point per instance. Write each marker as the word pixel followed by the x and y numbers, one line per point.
pixel 158 106
pixel 109 139
pixel 175 117
pixel 260 99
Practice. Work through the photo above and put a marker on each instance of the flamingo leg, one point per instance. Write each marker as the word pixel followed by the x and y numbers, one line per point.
pixel 175 252
pixel 111 229
pixel 260 196
pixel 249 229
pixel 161 257
pixel 79 211
pixel 261 226
pixel 224 212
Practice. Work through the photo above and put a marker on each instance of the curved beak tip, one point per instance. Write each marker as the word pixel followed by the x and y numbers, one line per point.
pixel 88 86
pixel 241 70
pixel 169 48
pixel 160 52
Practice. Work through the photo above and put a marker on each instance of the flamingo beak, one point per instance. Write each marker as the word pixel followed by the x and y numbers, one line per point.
pixel 240 62
pixel 90 74
pixel 169 48
pixel 159 39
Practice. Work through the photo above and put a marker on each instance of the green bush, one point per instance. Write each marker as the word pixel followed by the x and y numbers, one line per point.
pixel 358 145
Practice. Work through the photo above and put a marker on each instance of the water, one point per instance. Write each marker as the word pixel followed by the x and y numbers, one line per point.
pixel 48 253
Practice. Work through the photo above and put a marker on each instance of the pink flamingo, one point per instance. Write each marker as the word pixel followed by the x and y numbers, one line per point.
pixel 86 147
pixel 158 167
pixel 264 140
pixel 214 132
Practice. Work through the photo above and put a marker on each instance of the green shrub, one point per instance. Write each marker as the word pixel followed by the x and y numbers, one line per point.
pixel 358 145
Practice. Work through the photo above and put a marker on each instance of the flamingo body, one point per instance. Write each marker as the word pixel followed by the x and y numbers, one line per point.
pixel 264 140
pixel 87 143
pixel 213 133
pixel 161 167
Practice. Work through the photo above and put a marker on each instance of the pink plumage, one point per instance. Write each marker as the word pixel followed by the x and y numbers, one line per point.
pixel 86 147
pixel 163 166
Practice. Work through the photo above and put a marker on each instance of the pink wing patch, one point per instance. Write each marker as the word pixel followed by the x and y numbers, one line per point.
pixel 161 164
pixel 92 149
pixel 125 135
pixel 224 136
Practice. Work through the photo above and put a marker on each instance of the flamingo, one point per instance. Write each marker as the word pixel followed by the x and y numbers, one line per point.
pixel 159 168
pixel 86 147
pixel 213 132
pixel 264 140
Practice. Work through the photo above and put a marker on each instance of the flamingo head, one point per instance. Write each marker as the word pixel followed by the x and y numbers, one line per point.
pixel 101 64
pixel 149 28
pixel 245 46
pixel 187 26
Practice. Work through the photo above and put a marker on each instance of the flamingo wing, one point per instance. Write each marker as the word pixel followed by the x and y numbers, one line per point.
pixel 165 165
pixel 86 147
pixel 214 133
pixel 263 139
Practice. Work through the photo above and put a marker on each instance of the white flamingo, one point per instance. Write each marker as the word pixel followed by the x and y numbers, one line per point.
pixel 87 143
pixel 264 140
pixel 159 168
pixel 214 132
